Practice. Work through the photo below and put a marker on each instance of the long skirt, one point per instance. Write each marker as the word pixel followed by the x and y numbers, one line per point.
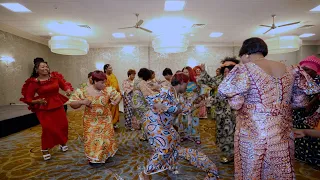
pixel 128 110
pixel 115 113
pixel 99 138
pixel 54 124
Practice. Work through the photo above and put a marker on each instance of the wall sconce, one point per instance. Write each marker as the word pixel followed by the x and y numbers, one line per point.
pixel 7 59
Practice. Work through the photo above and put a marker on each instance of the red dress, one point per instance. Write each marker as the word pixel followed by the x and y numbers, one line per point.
pixel 52 116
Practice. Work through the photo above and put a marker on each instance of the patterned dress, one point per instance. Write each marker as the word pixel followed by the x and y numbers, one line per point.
pixel 164 139
pixel 52 116
pixel 306 148
pixel 127 87
pixel 264 142
pixel 185 130
pixel 99 137
pixel 224 116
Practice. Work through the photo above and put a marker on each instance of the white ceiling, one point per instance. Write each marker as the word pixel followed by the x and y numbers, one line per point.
pixel 237 19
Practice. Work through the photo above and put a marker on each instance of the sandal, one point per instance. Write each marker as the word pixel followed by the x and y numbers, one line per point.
pixel 64 148
pixel 46 156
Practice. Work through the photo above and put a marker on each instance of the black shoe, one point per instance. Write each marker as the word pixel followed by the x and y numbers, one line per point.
pixel 95 165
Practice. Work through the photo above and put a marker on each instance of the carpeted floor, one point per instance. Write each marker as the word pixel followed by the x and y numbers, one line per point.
pixel 21 158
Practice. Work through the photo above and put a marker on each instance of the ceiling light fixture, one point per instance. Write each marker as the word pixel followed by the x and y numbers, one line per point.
pixel 316 9
pixel 305 35
pixel 283 44
pixel 216 34
pixel 119 35
pixel 16 7
pixel 191 34
pixel 170 43
pixel 66 45
pixel 174 5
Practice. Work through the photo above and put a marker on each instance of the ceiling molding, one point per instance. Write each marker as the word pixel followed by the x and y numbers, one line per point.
pixel 17 32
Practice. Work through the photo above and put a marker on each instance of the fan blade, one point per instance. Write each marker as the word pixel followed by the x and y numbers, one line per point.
pixel 127 27
pixel 289 24
pixel 139 22
pixel 265 26
pixel 145 29
pixel 267 31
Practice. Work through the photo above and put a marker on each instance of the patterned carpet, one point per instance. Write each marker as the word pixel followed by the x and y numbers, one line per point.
pixel 21 158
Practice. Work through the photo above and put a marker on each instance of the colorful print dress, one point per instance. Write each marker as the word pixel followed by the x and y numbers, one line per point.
pixel 99 137
pixel 306 148
pixel 264 142
pixel 190 131
pixel 164 139
pixel 224 116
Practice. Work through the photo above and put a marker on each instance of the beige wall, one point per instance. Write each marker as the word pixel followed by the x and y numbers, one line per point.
pixel 76 68
pixel 13 76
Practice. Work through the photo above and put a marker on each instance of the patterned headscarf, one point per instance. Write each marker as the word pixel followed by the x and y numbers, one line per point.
pixel 311 62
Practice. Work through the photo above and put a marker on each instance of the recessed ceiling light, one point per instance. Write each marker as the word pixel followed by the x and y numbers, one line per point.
pixel 306 35
pixel 174 5
pixel 216 34
pixel 15 7
pixel 316 9
pixel 131 35
pixel 191 34
pixel 119 35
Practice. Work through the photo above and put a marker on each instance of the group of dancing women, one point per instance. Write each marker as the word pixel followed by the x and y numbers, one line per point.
pixel 252 99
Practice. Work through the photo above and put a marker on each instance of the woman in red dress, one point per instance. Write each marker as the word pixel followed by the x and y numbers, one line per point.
pixel 48 105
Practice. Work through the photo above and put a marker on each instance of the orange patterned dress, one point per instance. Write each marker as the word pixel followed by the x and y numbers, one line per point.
pixel 264 142
pixel 99 137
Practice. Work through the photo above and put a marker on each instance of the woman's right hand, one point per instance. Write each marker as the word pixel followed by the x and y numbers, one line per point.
pixel 86 102
pixel 41 101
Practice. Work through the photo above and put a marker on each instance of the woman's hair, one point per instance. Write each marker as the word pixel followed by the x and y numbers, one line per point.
pixel 192 74
pixel 37 60
pixel 167 71
pixel 252 46
pixel 98 76
pixel 145 74
pixel 152 72
pixel 36 67
pixel 131 71
pixel 230 59
pixel 90 74
pixel 105 67
pixel 195 68
pixel 179 78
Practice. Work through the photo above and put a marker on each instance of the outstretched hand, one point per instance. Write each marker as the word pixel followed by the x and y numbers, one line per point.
pixel 203 67
pixel 299 133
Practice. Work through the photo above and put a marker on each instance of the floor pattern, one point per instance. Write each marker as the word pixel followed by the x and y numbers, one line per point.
pixel 21 158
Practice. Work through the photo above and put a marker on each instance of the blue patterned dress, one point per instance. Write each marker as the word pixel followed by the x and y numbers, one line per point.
pixel 185 130
pixel 164 139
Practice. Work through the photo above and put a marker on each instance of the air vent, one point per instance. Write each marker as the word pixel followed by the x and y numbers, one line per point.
pixel 306 26
pixel 198 26
pixel 84 26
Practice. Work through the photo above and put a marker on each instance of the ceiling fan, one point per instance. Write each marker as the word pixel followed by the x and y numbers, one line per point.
pixel 273 26
pixel 138 25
